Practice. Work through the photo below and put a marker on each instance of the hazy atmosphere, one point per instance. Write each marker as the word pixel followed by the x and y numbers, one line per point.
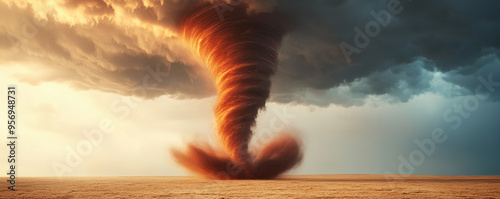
pixel 108 87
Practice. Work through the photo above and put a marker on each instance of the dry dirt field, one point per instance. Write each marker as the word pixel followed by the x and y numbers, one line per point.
pixel 313 186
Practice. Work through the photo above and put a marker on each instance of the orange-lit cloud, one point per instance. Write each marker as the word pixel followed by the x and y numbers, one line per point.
pixel 102 45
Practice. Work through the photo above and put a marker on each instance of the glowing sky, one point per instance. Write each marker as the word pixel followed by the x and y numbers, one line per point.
pixel 77 63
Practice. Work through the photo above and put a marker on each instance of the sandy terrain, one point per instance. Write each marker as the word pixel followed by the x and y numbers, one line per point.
pixel 325 186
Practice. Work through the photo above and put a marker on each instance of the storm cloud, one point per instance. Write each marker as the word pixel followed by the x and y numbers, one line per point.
pixel 113 45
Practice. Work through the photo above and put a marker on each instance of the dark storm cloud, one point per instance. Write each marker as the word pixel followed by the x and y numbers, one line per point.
pixel 449 37
pixel 108 45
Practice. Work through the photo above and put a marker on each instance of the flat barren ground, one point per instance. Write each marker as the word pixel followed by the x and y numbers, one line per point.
pixel 313 186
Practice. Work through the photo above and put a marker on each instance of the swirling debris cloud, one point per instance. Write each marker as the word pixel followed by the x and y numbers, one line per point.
pixel 241 52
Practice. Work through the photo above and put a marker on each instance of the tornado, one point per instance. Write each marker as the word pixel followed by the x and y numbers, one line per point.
pixel 241 52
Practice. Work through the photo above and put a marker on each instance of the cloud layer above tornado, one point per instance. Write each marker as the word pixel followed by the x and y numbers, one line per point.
pixel 112 45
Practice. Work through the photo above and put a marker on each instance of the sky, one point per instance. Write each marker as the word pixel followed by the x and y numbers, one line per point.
pixel 371 87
